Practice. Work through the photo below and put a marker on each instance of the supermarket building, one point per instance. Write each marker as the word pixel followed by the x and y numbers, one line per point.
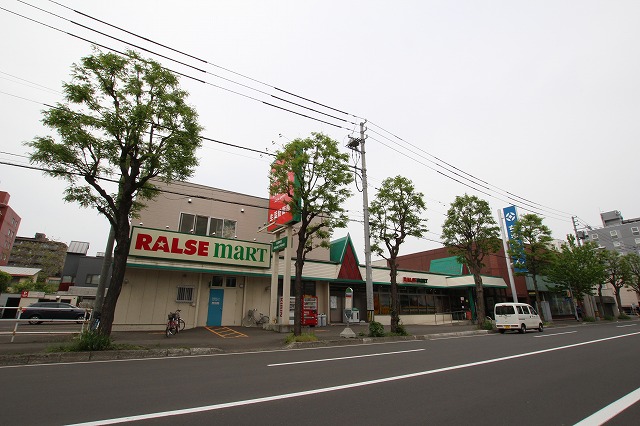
pixel 204 251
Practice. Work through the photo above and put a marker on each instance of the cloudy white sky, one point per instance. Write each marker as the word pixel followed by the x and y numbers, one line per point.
pixel 536 99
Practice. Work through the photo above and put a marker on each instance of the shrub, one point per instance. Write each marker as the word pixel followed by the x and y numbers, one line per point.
pixel 487 325
pixel 376 329
pixel 304 337
pixel 400 331
pixel 589 319
pixel 609 318
pixel 624 316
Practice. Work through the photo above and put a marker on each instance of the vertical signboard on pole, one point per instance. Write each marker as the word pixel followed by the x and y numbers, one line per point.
pixel 510 219
pixel 280 206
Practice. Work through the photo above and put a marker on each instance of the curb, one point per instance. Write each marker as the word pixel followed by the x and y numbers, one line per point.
pixel 371 340
pixel 71 357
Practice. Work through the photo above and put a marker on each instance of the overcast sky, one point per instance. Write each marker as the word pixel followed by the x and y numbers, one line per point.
pixel 537 101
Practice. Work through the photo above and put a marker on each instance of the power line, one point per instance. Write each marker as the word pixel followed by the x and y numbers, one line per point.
pixel 196 69
pixel 476 181
pixel 472 178
pixel 206 62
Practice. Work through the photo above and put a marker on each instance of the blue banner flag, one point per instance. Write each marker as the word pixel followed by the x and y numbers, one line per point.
pixel 510 219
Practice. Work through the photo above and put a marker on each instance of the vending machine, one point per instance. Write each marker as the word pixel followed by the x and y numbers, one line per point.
pixel 309 315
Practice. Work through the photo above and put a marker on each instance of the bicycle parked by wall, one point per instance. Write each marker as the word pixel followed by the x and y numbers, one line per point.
pixel 181 323
pixel 254 318
pixel 173 323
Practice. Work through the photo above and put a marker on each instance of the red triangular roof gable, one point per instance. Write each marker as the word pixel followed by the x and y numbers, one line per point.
pixel 349 269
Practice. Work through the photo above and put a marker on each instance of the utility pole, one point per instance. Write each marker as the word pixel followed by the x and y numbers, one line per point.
pixel 575 230
pixel 367 232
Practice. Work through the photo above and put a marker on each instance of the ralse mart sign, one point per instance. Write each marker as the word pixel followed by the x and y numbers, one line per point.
pixel 169 245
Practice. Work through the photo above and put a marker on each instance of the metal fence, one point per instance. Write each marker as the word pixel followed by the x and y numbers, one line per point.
pixel 15 326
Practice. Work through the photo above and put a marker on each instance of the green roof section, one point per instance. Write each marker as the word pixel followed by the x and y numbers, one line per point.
pixel 446 265
pixel 338 249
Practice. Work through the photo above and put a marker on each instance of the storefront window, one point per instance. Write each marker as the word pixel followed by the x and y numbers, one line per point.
pixel 215 281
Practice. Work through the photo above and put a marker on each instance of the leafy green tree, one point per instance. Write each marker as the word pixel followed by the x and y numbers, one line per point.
pixel 632 261
pixel 48 256
pixel 5 280
pixel 530 242
pixel 394 216
pixel 29 285
pixel 618 274
pixel 125 121
pixel 322 175
pixel 471 233
pixel 577 269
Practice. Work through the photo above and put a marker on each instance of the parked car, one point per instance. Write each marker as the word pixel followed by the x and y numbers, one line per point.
pixel 517 316
pixel 52 311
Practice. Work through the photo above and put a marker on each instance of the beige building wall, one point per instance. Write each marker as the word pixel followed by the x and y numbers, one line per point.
pixel 249 212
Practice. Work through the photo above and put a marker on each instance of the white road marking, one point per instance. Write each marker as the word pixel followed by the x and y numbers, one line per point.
pixel 245 402
pixel 463 337
pixel 555 334
pixel 627 325
pixel 611 410
pixel 342 357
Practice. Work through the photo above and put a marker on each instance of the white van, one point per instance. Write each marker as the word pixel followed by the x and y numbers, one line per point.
pixel 516 316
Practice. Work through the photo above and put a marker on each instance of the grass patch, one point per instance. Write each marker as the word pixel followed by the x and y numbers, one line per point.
pixel 609 318
pixel 588 319
pixel 91 342
pixel 304 337
pixel 87 341
pixel 624 316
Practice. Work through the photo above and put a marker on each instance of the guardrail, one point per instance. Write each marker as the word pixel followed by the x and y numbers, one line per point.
pixel 450 317
pixel 18 321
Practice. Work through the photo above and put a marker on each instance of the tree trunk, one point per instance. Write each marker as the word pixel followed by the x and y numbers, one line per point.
pixel 538 304
pixel 601 299
pixel 395 317
pixel 480 308
pixel 117 277
pixel 297 292
pixel 618 300
pixel 297 287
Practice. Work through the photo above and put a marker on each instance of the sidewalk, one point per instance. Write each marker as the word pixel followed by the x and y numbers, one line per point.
pixel 32 349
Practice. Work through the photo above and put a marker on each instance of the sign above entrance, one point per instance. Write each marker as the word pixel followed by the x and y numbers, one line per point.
pixel 168 245
pixel 280 244
pixel 414 280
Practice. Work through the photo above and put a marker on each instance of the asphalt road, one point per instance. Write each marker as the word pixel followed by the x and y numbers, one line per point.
pixel 559 377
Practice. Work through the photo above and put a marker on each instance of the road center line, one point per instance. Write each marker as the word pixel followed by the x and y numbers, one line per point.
pixel 626 325
pixel 245 402
pixel 610 411
pixel 341 358
pixel 555 334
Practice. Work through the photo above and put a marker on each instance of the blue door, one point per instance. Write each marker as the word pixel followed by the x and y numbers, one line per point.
pixel 216 297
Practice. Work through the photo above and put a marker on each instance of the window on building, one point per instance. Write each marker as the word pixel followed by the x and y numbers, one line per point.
pixel 637 240
pixel 185 294
pixel 186 222
pixel 204 225
pixel 614 234
pixel 594 236
pixel 635 230
pixel 232 282
pixel 92 279
pixel 201 225
pixel 616 244
pixel 216 281
pixel 224 228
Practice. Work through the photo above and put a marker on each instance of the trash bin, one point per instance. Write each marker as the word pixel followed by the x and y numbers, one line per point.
pixel 322 320
pixel 355 315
